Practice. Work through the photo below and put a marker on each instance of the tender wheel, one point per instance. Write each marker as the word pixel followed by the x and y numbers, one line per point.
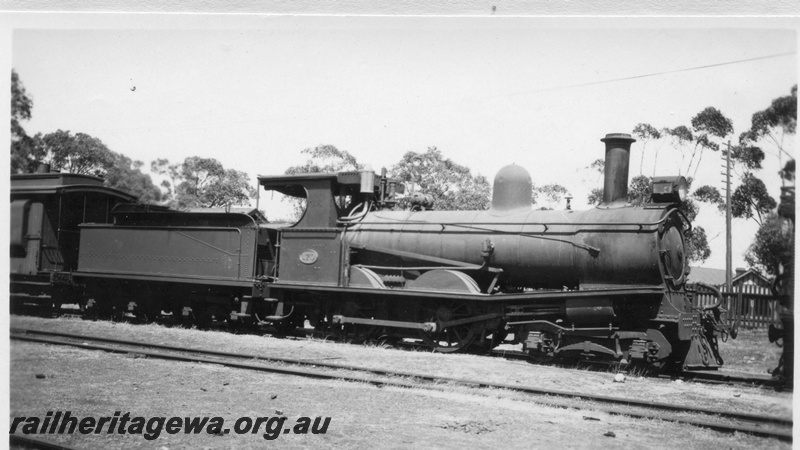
pixel 449 339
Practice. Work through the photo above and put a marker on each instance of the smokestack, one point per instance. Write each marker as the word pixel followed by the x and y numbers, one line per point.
pixel 43 168
pixel 618 156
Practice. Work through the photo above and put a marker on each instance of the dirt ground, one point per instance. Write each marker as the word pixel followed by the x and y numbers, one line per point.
pixel 89 383
pixel 750 352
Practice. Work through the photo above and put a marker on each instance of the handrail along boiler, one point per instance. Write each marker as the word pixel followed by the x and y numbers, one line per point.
pixel 605 283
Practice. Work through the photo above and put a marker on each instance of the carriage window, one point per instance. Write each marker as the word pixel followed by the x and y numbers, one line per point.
pixel 19 226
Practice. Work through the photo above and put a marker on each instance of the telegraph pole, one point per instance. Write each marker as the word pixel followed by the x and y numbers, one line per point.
pixel 728 250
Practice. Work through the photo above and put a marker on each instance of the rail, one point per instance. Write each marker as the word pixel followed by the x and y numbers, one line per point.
pixel 721 420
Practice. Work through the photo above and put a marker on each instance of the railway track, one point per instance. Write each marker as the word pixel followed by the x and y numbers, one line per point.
pixel 713 377
pixel 719 420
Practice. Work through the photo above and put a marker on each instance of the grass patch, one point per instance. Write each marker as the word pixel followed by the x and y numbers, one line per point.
pixel 750 352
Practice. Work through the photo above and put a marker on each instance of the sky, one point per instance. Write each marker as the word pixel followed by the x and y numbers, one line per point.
pixel 253 91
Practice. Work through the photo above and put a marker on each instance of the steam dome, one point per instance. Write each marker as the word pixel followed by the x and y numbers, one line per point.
pixel 512 190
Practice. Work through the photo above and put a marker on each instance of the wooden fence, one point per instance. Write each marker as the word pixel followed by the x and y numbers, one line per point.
pixel 753 305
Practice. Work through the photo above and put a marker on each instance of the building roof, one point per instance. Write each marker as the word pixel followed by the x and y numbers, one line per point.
pixel 713 277
pixel 743 275
pixel 716 277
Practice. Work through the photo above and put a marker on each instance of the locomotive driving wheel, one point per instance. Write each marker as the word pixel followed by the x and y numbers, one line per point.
pixel 453 338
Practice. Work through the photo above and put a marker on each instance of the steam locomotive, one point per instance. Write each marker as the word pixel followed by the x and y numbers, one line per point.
pixel 606 284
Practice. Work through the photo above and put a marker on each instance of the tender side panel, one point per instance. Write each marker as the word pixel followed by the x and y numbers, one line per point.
pixel 166 252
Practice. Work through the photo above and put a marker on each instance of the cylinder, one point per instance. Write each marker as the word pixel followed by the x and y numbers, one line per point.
pixel 618 155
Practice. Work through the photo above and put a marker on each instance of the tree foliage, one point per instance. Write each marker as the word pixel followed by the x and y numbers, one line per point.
pixel 681 135
pixel 21 103
pixel 779 118
pixel 772 250
pixel 682 139
pixel 126 175
pixel 711 195
pixel 711 121
pixel 598 165
pixel 325 159
pixel 595 196
pixel 639 190
pixel 690 208
pixel 231 187
pixel 203 182
pixel 79 153
pixel 551 196
pixel 697 249
pixel 646 133
pixel 773 245
pixel 22 145
pixel 772 124
pixel 87 155
pixel 452 185
pixel 751 199
pixel 747 156
pixel 162 167
pixel 708 124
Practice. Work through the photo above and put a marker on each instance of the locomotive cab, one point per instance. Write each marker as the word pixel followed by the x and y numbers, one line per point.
pixel 311 251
